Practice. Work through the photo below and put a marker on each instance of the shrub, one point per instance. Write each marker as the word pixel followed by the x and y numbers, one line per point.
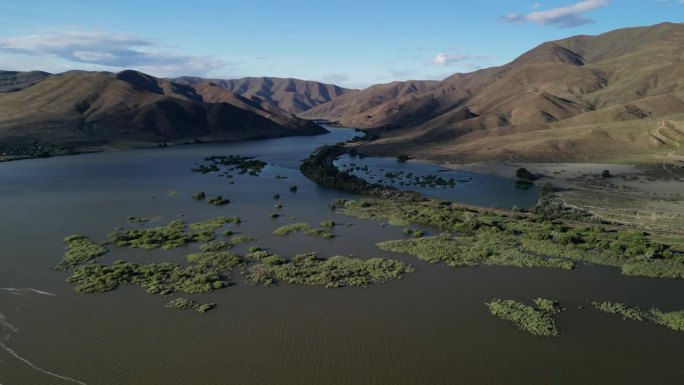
pixel 524 174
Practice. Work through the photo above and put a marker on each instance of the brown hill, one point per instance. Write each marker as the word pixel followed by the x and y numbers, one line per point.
pixel 11 81
pixel 375 106
pixel 104 109
pixel 212 93
pixel 291 95
pixel 585 97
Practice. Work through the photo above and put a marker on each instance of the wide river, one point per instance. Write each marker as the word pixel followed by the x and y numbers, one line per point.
pixel 431 327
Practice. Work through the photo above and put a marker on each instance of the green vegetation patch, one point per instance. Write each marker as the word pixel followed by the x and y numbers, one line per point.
pixel 80 249
pixel 184 303
pixel 482 248
pixel 156 278
pixel 181 303
pixel 142 220
pixel 174 234
pixel 240 239
pixel 213 260
pixel 218 201
pixel 308 269
pixel 215 246
pixel 210 225
pixel 530 240
pixel 242 164
pixel 673 320
pixel 291 229
pixel 323 233
pixel 302 227
pixel 535 320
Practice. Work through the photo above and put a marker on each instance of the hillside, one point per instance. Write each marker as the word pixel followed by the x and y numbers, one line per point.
pixel 100 109
pixel 376 106
pixel 608 97
pixel 291 95
pixel 11 81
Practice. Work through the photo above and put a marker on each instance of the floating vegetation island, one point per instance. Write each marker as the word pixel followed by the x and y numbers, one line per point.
pixel 673 320
pixel 80 249
pixel 184 303
pixel 308 269
pixel 242 164
pixel 537 320
pixel 210 269
pixel 305 228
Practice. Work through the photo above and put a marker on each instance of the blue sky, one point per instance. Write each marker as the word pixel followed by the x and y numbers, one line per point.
pixel 350 43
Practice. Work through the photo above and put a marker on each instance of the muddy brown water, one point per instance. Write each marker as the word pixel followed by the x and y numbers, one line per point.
pixel 431 327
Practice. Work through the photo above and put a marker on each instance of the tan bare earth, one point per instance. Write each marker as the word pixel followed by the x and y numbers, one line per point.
pixel 648 196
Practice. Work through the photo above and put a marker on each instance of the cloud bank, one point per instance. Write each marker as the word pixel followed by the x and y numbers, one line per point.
pixel 110 50
pixel 564 17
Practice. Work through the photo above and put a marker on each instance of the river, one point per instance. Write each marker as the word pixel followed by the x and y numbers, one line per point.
pixel 431 327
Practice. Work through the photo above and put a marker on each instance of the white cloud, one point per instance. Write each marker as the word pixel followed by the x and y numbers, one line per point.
pixel 569 16
pixel 446 59
pixel 92 48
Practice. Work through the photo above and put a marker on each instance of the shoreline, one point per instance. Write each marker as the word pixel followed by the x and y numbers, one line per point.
pixel 647 196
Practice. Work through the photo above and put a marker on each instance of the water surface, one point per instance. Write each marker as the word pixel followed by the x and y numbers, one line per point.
pixel 429 328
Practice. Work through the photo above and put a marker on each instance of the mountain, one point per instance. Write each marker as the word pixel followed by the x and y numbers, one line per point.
pixel 374 106
pixel 608 97
pixel 292 95
pixel 127 108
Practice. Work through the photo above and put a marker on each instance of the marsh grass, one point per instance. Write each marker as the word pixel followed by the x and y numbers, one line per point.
pixel 216 260
pixel 534 320
pixel 142 220
pixel 184 303
pixel 79 249
pixel 199 196
pixel 215 246
pixel 240 239
pixel 292 228
pixel 673 320
pixel 308 269
pixel 302 227
pixel 526 241
pixel 482 248
pixel 218 201
pixel 243 164
pixel 156 278
pixel 174 234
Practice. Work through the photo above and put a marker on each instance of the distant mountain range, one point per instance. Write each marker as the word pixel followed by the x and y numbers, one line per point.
pixel 292 95
pixel 102 110
pixel 609 97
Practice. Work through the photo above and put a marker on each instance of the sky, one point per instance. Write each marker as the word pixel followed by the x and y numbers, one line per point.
pixel 350 43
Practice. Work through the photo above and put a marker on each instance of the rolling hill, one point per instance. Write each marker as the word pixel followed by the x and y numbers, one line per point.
pixel 101 109
pixel 608 97
pixel 291 95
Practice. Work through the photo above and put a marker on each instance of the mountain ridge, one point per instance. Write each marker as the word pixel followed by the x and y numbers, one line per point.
pixel 291 95
pixel 578 98
pixel 106 109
